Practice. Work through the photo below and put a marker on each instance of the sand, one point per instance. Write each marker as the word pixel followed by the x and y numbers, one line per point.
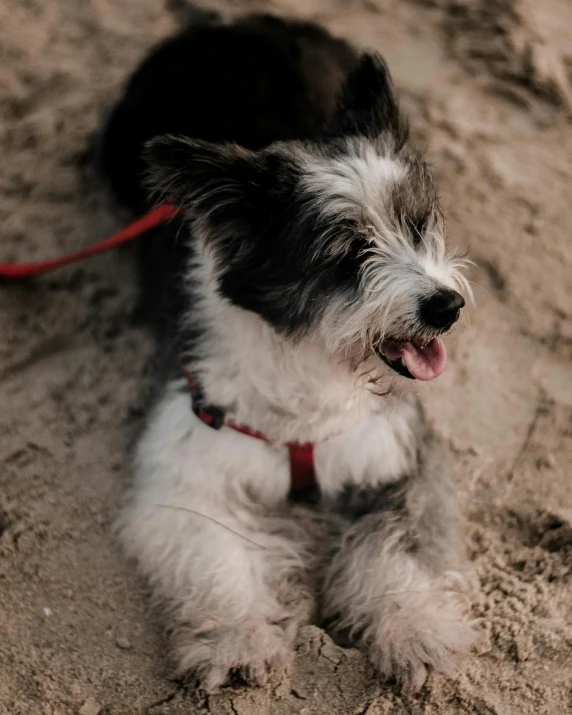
pixel 487 86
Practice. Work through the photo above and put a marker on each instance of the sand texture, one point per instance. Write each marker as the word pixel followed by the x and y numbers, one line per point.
pixel 487 87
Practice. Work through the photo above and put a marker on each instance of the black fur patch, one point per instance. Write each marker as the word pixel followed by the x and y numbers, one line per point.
pixel 368 106
pixel 259 80
pixel 353 502
pixel 265 231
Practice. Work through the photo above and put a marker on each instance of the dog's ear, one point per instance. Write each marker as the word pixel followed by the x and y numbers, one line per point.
pixel 205 180
pixel 199 176
pixel 367 105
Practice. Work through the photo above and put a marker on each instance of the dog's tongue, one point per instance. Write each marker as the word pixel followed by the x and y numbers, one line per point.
pixel 425 363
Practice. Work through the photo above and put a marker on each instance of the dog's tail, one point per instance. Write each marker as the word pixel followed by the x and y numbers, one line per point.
pixel 190 15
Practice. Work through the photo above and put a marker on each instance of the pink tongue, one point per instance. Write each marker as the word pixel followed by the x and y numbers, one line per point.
pixel 425 363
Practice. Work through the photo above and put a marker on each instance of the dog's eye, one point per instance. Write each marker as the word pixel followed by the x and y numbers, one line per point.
pixel 418 228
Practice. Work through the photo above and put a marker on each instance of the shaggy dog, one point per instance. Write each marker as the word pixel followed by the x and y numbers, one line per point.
pixel 303 285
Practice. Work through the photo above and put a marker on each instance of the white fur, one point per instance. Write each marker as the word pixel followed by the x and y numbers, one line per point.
pixel 207 519
pixel 289 391
pixel 374 451
pixel 358 179
pixel 218 561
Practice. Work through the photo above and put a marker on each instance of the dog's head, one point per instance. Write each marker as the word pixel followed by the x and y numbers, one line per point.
pixel 340 239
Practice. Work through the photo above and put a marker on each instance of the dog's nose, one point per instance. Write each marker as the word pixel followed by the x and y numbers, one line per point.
pixel 442 309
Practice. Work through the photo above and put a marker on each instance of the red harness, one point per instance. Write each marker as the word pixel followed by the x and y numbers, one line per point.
pixel 302 471
pixel 301 454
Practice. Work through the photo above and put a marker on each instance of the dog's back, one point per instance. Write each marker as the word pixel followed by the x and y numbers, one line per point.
pixel 253 82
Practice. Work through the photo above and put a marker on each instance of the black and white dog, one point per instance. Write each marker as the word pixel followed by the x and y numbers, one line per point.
pixel 303 284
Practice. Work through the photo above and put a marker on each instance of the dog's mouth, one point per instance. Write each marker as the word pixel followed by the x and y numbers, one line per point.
pixel 415 359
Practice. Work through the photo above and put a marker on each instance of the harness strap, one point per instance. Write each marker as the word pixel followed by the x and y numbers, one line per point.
pixel 301 454
pixel 302 467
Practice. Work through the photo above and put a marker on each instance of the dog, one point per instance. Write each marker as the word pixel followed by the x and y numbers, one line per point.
pixel 297 296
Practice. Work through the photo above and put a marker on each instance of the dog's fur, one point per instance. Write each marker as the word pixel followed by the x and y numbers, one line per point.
pixel 310 233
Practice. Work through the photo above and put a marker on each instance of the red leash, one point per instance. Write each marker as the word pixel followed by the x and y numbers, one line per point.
pixel 302 472
pixel 150 220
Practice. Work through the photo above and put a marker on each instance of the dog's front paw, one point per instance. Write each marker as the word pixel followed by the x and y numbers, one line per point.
pixel 213 652
pixel 420 631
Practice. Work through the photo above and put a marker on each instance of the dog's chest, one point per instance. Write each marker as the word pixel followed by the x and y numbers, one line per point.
pixel 379 449
pixel 190 459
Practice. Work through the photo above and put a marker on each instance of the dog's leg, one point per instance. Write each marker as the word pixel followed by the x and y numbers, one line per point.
pixel 393 584
pixel 208 525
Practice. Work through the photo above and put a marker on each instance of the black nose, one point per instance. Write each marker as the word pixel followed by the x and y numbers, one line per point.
pixel 442 309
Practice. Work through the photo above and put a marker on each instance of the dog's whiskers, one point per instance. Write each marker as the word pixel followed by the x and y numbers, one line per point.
pixel 387 594
pixel 215 521
pixel 208 645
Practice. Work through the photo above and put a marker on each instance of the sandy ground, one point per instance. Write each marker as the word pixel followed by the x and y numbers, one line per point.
pixel 486 84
